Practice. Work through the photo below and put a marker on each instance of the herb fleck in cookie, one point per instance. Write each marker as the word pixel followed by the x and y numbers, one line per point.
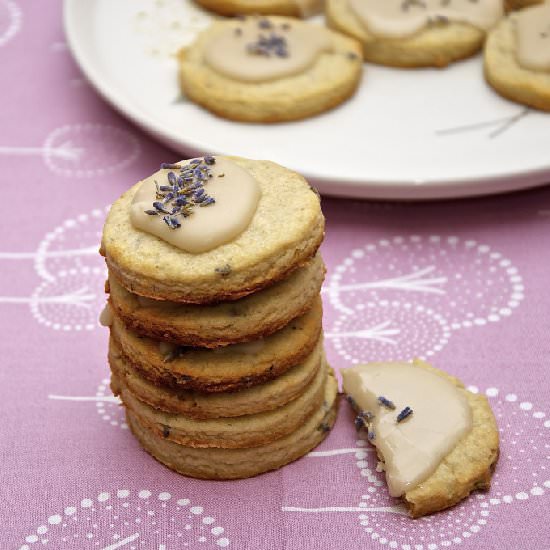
pixel 269 69
pixel 409 33
pixel 436 441
pixel 212 229
pixel 517 57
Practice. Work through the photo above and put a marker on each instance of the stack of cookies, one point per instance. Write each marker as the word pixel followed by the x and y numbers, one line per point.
pixel 215 317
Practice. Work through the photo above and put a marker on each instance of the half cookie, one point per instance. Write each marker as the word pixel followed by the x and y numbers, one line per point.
pixel 436 441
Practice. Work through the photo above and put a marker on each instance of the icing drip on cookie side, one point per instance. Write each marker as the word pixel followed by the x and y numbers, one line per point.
pixel 415 418
pixel 106 316
pixel 533 35
pixel 259 50
pixel 404 18
pixel 218 207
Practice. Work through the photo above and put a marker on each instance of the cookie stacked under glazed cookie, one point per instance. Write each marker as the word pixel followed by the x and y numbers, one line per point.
pixel 217 355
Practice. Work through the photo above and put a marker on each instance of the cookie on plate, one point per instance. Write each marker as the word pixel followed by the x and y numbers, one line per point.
pixel 406 33
pixel 217 463
pixel 517 57
pixel 436 441
pixel 295 8
pixel 253 317
pixel 269 69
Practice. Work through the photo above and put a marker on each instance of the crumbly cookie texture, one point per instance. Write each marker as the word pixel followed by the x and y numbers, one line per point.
pixel 507 77
pixel 256 399
pixel 467 467
pixel 250 318
pixel 303 8
pixel 284 234
pixel 332 79
pixel 244 431
pixel 215 463
pixel 435 46
pixel 519 4
pixel 228 369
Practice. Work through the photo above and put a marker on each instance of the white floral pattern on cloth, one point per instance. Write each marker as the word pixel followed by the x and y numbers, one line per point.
pixel 71 294
pixel 83 150
pixel 10 20
pixel 131 520
pixel 407 293
pixel 524 444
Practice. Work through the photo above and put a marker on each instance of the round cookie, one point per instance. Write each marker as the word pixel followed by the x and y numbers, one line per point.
pixel 332 79
pixel 294 8
pixel 250 318
pixel 215 463
pixel 434 46
pixel 236 432
pixel 230 368
pixel 507 76
pixel 519 4
pixel 263 397
pixel 284 234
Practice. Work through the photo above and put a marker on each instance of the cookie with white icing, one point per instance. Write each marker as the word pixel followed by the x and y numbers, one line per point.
pixel 436 441
pixel 517 57
pixel 250 318
pixel 294 8
pixel 410 33
pixel 242 226
pixel 217 463
pixel 269 69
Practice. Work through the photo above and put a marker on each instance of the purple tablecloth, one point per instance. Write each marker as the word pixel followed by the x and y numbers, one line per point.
pixel 462 284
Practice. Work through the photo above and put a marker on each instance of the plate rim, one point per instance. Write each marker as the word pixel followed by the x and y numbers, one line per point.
pixel 382 189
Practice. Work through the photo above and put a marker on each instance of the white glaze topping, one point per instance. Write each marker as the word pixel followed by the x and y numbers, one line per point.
pixel 411 449
pixel 533 34
pixel 235 192
pixel 403 18
pixel 259 50
pixel 106 316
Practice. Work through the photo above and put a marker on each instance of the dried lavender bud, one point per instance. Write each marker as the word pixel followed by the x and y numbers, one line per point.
pixel 386 403
pixel 404 414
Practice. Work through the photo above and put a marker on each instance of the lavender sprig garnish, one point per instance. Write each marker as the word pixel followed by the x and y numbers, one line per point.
pixel 386 403
pixel 269 45
pixel 404 414
pixel 184 191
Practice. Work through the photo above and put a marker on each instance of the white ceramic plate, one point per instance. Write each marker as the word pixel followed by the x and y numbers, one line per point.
pixel 407 134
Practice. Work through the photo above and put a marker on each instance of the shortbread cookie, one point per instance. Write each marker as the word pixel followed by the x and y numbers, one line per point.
pixel 435 44
pixel 229 368
pixel 250 318
pixel 519 4
pixel 284 233
pixel 262 397
pixel 457 447
pixel 269 69
pixel 504 69
pixel 250 430
pixel 215 463
pixel 295 8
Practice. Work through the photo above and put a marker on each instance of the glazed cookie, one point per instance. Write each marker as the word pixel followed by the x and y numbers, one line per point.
pixel 269 69
pixel 230 368
pixel 259 223
pixel 295 8
pixel 255 316
pixel 262 397
pixel 407 33
pixel 250 430
pixel 436 441
pixel 213 463
pixel 517 57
